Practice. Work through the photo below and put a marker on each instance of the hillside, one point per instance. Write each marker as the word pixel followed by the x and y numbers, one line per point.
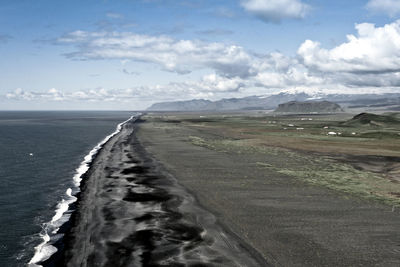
pixel 309 107
pixel 372 119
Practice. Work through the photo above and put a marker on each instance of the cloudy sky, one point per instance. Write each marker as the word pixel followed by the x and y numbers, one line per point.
pixel 128 54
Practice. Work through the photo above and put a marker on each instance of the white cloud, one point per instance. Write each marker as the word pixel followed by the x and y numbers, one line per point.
pixel 232 64
pixel 52 94
pixel 207 87
pixel 181 56
pixel 295 76
pixel 368 61
pixel 20 94
pixel 276 10
pixel 214 83
pixel 390 7
pixel 373 50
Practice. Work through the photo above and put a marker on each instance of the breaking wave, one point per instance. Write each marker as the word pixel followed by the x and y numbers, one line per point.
pixel 50 230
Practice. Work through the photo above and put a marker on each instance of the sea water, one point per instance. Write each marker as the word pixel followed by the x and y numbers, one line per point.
pixel 42 155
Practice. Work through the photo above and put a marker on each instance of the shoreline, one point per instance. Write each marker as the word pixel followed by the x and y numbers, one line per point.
pixel 153 186
pixel 53 242
pixel 152 209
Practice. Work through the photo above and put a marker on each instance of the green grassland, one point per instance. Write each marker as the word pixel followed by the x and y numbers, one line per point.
pixel 321 171
pixel 304 147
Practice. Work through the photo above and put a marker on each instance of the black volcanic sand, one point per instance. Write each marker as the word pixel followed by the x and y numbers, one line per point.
pixel 132 213
pixel 288 222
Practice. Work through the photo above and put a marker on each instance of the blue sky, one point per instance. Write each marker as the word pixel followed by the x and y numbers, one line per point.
pixel 127 54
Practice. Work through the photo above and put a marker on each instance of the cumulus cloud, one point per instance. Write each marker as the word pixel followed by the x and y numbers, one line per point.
pixel 181 56
pixel 276 10
pixel 52 94
pixel 294 76
pixel 214 83
pixel 368 60
pixel 20 94
pixel 372 50
pixel 390 7
pixel 230 63
pixel 207 87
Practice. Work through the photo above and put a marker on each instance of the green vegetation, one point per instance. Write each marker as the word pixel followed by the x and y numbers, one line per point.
pixel 201 142
pixel 344 178
pixel 373 120
pixel 320 171
pixel 321 127
pixel 309 107
pixel 305 146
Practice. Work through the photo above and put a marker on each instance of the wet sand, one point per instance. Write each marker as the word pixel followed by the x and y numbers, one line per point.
pixel 132 212
pixel 288 222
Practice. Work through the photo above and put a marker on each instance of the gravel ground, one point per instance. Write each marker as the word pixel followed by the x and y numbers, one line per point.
pixel 288 222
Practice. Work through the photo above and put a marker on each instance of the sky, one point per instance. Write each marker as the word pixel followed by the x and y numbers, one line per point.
pixel 128 54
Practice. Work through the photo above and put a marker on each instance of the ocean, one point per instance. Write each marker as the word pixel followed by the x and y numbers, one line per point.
pixel 41 156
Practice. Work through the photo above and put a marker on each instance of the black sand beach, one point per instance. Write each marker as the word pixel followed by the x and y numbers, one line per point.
pixel 153 198
pixel 131 212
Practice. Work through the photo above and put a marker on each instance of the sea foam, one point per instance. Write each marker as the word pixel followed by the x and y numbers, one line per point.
pixel 44 250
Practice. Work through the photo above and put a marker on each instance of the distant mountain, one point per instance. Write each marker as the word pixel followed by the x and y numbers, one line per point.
pixel 272 102
pixel 374 103
pixel 191 105
pixel 251 102
pixel 309 107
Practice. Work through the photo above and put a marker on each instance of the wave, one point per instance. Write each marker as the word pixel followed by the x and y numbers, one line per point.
pixel 49 233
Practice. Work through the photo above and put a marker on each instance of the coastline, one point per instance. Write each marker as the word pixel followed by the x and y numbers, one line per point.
pixel 54 231
pixel 127 201
pixel 150 185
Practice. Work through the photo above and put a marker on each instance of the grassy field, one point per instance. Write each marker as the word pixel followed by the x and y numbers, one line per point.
pixel 358 156
pixel 320 133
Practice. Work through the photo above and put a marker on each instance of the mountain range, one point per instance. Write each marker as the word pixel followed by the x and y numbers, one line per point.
pixel 270 102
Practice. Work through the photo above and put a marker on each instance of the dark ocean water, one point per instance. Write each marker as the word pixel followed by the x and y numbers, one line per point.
pixel 39 154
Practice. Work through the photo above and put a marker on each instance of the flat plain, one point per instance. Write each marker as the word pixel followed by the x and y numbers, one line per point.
pixel 300 189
